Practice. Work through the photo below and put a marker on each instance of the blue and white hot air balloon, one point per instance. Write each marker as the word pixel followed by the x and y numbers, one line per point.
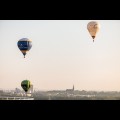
pixel 24 45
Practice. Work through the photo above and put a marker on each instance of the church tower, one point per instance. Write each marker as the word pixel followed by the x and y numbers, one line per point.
pixel 73 87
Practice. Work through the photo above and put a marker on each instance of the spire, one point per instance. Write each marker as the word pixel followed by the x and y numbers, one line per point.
pixel 73 87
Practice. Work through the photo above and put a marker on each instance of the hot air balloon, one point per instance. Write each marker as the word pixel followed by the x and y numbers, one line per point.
pixel 25 84
pixel 24 45
pixel 93 27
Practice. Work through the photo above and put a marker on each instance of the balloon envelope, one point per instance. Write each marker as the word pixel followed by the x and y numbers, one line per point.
pixel 25 84
pixel 93 27
pixel 24 45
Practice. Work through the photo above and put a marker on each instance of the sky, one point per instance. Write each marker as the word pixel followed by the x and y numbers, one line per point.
pixel 62 55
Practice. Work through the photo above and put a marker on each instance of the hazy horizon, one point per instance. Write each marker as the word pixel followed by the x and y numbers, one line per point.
pixel 63 54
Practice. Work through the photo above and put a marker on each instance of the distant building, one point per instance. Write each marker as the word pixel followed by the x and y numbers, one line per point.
pixel 1 92
pixel 17 90
pixel 70 90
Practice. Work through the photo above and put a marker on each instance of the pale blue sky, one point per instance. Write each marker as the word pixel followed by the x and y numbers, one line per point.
pixel 62 54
